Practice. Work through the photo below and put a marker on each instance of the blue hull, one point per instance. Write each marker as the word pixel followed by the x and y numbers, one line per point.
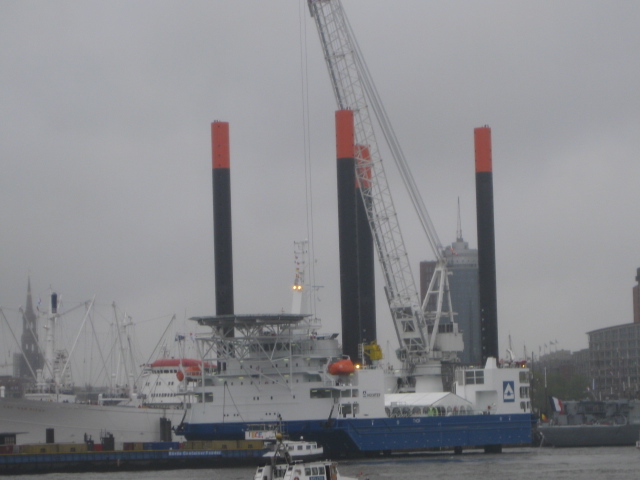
pixel 368 436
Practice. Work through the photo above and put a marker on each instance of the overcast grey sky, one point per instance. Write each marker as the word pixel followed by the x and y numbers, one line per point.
pixel 105 187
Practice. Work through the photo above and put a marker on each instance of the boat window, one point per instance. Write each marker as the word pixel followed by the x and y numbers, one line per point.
pixel 307 471
pixel 208 397
pixel 320 393
pixel 312 377
pixel 524 377
pixel 474 377
pixel 314 471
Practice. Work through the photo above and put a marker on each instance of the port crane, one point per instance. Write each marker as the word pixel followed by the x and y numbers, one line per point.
pixel 422 346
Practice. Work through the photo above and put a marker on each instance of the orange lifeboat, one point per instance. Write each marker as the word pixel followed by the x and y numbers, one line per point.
pixel 190 368
pixel 342 367
pixel 189 372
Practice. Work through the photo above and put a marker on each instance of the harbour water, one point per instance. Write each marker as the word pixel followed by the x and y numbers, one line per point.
pixel 617 463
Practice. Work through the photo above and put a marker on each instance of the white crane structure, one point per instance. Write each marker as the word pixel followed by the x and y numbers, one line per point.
pixel 300 253
pixel 417 325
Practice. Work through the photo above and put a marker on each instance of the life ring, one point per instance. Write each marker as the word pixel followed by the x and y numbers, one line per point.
pixel 296 478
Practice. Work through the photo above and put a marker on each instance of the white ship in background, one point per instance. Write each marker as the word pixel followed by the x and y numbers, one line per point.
pixel 141 409
pixel 137 408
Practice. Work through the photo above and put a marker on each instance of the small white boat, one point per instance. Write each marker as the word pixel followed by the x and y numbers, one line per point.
pixel 272 435
pixel 299 450
pixel 284 467
pixel 315 470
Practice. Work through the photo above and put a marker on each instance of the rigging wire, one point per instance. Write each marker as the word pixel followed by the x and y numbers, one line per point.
pixel 304 92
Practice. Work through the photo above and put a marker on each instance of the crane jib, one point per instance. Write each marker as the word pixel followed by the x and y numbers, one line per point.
pixel 354 90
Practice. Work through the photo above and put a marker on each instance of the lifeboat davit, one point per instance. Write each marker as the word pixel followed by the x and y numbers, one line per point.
pixel 192 372
pixel 342 367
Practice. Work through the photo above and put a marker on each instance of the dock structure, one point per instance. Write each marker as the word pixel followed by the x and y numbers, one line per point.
pixel 49 458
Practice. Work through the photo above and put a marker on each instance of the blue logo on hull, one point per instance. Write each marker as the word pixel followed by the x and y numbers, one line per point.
pixel 508 391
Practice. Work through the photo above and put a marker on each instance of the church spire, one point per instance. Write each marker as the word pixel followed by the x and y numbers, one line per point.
pixel 29 307
pixel 31 359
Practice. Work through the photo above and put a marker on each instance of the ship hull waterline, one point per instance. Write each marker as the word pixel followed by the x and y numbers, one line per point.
pixel 354 437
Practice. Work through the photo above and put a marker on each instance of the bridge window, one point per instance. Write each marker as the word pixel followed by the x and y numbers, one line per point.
pixel 312 377
pixel 320 393
pixel 474 377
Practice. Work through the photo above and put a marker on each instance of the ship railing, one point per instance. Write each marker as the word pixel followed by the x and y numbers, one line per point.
pixel 398 409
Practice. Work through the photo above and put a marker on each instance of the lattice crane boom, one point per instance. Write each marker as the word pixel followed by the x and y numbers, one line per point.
pixel 354 90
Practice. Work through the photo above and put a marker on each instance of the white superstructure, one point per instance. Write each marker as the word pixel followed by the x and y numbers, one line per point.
pixel 278 368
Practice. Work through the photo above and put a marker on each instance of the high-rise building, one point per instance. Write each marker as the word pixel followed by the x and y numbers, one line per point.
pixel 462 263
pixel 614 355
pixel 614 361
pixel 465 296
